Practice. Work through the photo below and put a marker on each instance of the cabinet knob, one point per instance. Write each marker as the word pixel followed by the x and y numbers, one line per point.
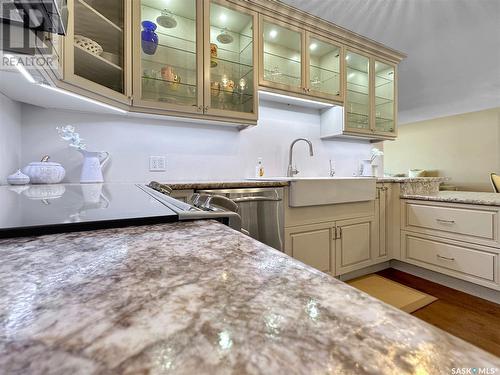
pixel 205 109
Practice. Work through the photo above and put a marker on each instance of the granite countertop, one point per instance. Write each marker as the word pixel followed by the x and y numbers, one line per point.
pixel 468 197
pixel 198 297
pixel 412 179
pixel 224 184
pixel 281 182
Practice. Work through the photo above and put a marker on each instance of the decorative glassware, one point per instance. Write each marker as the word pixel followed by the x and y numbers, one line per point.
pixel 149 39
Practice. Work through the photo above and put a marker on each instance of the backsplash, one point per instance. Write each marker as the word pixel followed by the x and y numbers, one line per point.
pixel 193 151
pixel 10 137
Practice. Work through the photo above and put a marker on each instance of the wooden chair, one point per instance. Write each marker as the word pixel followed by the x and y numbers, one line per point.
pixel 495 181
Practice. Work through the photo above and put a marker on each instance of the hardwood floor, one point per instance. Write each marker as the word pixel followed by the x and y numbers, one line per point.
pixel 471 318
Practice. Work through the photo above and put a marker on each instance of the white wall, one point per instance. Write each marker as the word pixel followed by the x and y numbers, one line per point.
pixel 194 152
pixel 10 137
pixel 464 147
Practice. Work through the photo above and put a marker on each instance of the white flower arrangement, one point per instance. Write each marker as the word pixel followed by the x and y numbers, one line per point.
pixel 68 134
pixel 376 153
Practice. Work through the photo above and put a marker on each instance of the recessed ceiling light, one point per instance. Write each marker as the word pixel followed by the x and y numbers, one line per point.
pixel 273 34
pixel 313 46
pixel 223 17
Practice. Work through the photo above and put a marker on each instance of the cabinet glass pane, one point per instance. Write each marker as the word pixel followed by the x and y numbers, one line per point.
pixel 231 60
pixel 324 68
pixel 282 55
pixel 168 55
pixel 358 91
pixel 98 44
pixel 384 97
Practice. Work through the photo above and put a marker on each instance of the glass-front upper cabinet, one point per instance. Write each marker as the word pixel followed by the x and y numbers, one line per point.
pixel 282 50
pixel 324 70
pixel 357 101
pixel 384 97
pixel 230 60
pixel 96 47
pixel 168 63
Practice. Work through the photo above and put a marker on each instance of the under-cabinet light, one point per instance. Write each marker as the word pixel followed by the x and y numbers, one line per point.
pixel 313 46
pixel 56 89
pixel 22 69
pixel 223 17
pixel 273 34
pixel 295 99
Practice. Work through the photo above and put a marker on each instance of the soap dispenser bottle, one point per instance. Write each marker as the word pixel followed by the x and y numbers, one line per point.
pixel 259 169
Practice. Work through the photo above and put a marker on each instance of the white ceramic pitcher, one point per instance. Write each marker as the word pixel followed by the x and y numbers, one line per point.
pixel 93 162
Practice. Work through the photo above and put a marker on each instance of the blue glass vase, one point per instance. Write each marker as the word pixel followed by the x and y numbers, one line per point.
pixel 149 39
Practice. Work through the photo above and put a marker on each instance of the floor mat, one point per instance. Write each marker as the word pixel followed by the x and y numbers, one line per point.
pixel 392 293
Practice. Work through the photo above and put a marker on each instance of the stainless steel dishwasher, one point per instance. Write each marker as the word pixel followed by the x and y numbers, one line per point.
pixel 261 211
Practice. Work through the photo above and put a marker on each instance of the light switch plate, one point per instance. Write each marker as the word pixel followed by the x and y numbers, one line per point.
pixel 157 163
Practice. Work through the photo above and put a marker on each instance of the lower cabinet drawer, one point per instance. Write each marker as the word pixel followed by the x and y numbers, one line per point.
pixel 476 223
pixel 452 257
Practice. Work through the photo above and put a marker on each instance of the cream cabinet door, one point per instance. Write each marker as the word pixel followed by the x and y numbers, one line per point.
pixel 312 245
pixel 355 245
pixel 381 217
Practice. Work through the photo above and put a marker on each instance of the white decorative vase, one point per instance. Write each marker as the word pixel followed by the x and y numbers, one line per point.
pixel 93 162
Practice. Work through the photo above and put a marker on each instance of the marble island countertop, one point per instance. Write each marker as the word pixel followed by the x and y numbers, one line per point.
pixel 199 298
pixel 466 197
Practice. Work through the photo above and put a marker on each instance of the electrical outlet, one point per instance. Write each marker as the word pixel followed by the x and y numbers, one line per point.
pixel 157 163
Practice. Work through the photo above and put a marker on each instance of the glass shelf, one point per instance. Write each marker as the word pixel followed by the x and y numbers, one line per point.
pixel 234 64
pixel 103 24
pixel 324 67
pixel 170 74
pixel 169 92
pixel 384 97
pixel 282 49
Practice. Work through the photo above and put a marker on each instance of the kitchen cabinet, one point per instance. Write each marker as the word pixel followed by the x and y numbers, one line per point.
pixel 206 60
pixel 296 61
pixel 370 104
pixel 195 57
pixel 97 47
pixel 334 247
pixel 312 245
pixel 356 244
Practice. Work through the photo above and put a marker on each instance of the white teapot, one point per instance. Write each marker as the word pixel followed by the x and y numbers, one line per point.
pixel 44 172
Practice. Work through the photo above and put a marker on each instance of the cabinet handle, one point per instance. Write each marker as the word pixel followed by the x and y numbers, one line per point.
pixel 441 221
pixel 199 108
pixel 445 258
pixel 206 108
pixel 340 233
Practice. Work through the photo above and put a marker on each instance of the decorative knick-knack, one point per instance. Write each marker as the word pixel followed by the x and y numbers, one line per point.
pixel 149 38
pixel 18 178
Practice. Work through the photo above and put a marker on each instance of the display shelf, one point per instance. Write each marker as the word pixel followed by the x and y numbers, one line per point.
pixel 283 58
pixel 159 10
pixel 356 70
pixel 92 24
pixel 170 92
pixel 325 69
pixel 98 69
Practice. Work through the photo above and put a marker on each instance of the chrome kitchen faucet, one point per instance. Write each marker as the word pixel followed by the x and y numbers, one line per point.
pixel 291 170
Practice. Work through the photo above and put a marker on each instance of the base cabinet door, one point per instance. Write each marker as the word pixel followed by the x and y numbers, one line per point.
pixel 312 245
pixel 355 244
pixel 381 216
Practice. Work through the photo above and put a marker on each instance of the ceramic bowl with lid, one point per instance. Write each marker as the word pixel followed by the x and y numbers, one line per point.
pixel 44 172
